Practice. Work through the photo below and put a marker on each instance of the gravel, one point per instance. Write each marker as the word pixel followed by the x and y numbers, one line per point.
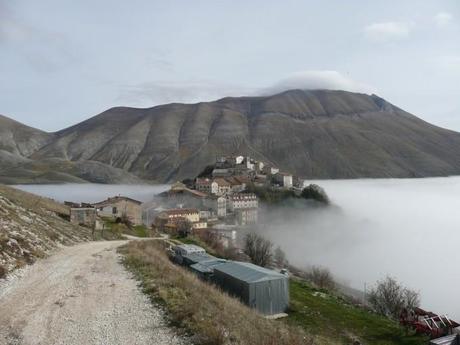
pixel 81 295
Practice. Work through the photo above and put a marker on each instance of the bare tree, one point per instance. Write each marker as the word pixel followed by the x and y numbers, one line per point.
pixel 321 277
pixel 280 257
pixel 390 298
pixel 184 227
pixel 258 249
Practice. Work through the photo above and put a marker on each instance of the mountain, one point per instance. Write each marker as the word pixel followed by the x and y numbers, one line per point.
pixel 314 134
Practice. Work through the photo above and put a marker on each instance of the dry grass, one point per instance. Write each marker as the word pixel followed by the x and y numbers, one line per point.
pixel 32 226
pixel 209 314
pixel 34 202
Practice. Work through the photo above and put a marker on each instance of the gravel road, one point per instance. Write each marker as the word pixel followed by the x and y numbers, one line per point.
pixel 80 295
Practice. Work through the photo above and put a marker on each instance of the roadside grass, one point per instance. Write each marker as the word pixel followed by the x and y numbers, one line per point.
pixel 327 315
pixel 141 231
pixel 209 315
pixel 114 230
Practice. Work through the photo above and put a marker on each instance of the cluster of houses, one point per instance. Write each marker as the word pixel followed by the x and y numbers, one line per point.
pixel 218 201
pixel 258 172
pixel 262 289
pixel 220 197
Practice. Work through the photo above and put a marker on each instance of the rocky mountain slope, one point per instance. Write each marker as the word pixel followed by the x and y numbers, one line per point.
pixel 315 134
pixel 31 226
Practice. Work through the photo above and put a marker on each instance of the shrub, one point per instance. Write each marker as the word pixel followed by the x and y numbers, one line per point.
pixel 390 298
pixel 315 192
pixel 321 277
pixel 258 249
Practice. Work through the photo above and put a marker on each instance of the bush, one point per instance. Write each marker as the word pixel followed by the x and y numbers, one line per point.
pixel 390 298
pixel 315 192
pixel 321 277
pixel 280 258
pixel 258 249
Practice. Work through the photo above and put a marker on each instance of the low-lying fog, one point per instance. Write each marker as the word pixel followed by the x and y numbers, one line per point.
pixel 91 192
pixel 409 229
pixel 406 228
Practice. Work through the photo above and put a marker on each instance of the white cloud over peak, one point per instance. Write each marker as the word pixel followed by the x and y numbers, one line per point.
pixel 330 80
pixel 443 19
pixel 195 90
pixel 388 31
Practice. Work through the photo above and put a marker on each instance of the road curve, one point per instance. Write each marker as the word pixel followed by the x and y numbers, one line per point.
pixel 81 295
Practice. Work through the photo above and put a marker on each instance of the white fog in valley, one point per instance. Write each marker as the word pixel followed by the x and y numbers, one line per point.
pixel 91 192
pixel 406 228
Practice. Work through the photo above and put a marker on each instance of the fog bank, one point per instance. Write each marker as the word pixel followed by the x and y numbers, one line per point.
pixel 91 192
pixel 406 228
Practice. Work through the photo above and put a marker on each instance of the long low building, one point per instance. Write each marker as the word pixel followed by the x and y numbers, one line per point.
pixel 260 288
pixel 265 290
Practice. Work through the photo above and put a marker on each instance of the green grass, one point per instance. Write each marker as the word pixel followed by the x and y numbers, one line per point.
pixel 211 316
pixel 141 231
pixel 116 230
pixel 330 316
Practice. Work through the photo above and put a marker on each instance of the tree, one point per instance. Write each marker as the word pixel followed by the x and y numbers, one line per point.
pixel 258 249
pixel 280 257
pixel 321 277
pixel 315 192
pixel 184 227
pixel 390 298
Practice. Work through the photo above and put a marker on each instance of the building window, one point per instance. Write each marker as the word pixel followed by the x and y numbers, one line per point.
pixel 114 210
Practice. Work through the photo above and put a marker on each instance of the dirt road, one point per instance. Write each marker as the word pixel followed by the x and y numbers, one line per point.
pixel 80 295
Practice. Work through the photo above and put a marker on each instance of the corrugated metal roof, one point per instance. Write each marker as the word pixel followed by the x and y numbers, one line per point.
pixel 198 257
pixel 190 248
pixel 248 272
pixel 208 265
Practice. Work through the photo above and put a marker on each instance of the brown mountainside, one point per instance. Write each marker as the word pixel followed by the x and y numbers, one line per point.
pixel 315 134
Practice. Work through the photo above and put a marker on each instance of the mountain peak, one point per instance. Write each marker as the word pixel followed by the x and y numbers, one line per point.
pixel 310 133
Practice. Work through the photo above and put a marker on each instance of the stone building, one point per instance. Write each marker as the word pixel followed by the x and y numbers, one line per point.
pixel 119 207
pixel 85 216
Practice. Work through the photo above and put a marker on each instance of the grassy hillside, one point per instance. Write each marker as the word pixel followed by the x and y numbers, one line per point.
pixel 199 308
pixel 215 318
pixel 331 317
pixel 31 226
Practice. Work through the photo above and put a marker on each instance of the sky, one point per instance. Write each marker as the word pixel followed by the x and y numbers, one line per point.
pixel 64 61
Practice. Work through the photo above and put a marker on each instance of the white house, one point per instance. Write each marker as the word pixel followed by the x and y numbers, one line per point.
pixel 206 185
pixel 218 204
pixel 239 159
pixel 242 201
pixel 283 179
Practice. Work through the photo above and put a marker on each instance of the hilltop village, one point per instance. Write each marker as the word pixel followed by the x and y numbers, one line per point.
pixel 221 200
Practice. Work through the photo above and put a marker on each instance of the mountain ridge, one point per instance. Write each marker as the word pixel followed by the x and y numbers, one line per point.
pixel 327 134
